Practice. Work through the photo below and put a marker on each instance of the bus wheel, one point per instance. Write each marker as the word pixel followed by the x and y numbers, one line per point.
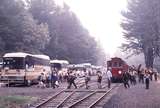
pixel 28 82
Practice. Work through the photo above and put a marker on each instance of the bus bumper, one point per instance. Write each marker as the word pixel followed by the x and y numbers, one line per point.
pixel 12 79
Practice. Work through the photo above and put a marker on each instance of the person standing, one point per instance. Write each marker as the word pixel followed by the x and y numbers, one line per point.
pixel 133 77
pixel 155 75
pixel 151 73
pixel 109 76
pixel 41 79
pixel 48 80
pixel 54 79
pixel 99 79
pixel 125 79
pixel 147 77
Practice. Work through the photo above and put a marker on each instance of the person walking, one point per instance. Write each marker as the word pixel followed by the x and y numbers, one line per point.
pixel 109 76
pixel 87 79
pixel 125 79
pixel 99 79
pixel 71 80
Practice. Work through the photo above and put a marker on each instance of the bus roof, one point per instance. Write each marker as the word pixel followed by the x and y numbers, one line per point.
pixel 17 54
pixel 21 54
pixel 59 61
pixel 42 56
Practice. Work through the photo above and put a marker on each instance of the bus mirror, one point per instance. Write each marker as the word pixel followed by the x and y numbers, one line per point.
pixel 26 66
pixel 29 68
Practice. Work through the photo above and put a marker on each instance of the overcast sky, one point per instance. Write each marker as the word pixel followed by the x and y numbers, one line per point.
pixel 102 19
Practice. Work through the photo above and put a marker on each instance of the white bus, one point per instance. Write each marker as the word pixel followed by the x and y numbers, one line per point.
pixel 61 65
pixel 24 68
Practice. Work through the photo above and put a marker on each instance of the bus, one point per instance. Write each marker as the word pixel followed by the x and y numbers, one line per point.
pixel 60 65
pixel 24 68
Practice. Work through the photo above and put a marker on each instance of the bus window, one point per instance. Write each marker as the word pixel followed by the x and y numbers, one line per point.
pixel 13 63
pixel 29 63
pixel 56 65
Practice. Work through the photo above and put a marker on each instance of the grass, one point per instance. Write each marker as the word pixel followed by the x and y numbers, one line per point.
pixel 13 101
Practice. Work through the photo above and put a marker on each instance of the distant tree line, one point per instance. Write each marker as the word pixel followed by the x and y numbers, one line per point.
pixel 141 26
pixel 40 26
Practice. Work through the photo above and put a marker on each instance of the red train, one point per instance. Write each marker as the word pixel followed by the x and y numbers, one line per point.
pixel 118 67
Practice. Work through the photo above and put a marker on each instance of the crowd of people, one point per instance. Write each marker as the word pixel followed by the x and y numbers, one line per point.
pixel 55 78
pixel 143 76
pixel 130 77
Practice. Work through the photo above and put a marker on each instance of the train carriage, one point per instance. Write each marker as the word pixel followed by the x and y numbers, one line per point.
pixel 118 67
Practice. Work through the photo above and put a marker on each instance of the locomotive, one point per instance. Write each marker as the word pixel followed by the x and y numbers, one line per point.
pixel 117 67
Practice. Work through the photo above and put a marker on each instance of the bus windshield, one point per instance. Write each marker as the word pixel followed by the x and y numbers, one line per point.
pixel 13 62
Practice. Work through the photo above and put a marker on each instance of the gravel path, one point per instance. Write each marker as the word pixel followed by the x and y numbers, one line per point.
pixel 136 97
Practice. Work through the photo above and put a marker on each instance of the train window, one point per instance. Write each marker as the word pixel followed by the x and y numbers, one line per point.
pixel 120 64
pixel 115 64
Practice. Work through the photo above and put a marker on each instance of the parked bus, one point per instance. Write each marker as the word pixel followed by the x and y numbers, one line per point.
pixel 60 65
pixel 24 68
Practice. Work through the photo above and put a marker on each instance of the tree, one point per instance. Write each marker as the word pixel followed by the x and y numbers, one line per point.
pixel 141 25
pixel 69 39
pixel 18 30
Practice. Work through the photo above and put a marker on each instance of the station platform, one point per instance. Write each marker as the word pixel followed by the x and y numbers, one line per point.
pixel 136 96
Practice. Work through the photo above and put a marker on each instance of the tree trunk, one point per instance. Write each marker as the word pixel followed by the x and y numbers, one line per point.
pixel 149 58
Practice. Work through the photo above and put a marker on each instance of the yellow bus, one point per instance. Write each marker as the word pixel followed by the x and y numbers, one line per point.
pixel 24 68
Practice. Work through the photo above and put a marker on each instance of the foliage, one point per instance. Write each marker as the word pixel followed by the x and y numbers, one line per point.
pixel 40 26
pixel 69 39
pixel 141 28
pixel 18 30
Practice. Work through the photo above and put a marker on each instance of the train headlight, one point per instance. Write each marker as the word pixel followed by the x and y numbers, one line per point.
pixel 119 72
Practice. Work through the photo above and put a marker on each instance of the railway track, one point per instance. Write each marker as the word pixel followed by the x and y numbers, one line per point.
pixel 92 99
pixel 75 98
pixel 46 98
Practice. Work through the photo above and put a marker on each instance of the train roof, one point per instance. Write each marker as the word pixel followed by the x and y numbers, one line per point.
pixel 16 54
pixel 116 58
